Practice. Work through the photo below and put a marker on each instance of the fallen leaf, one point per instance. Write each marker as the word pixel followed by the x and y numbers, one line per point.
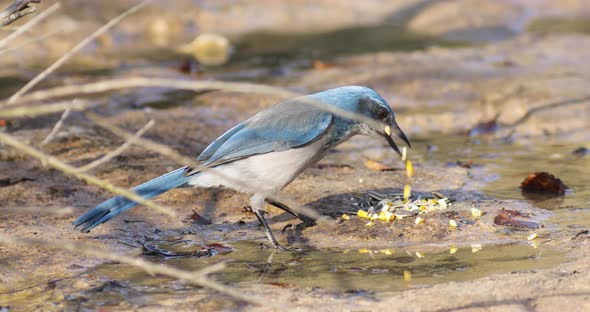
pixel 319 65
pixel 377 166
pixel 543 182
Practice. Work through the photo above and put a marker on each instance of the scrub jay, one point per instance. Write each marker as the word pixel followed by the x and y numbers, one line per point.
pixel 263 154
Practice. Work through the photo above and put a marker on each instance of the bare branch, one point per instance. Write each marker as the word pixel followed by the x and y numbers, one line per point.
pixel 75 49
pixel 197 278
pixel 119 150
pixel 70 170
pixel 30 24
pixel 56 127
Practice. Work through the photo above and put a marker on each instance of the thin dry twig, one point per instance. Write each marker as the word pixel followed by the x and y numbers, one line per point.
pixel 188 161
pixel 30 24
pixel 75 49
pixel 118 150
pixel 73 171
pixel 197 278
pixel 529 113
pixel 56 127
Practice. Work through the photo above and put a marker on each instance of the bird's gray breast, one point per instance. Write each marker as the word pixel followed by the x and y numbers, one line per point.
pixel 264 173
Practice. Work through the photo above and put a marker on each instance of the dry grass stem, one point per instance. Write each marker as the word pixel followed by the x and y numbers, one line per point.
pixel 25 43
pixel 118 150
pixel 138 82
pixel 74 50
pixel 56 127
pixel 73 171
pixel 197 278
pixel 30 24
pixel 33 111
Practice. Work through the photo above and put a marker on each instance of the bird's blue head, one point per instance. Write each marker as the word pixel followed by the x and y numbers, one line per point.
pixel 376 117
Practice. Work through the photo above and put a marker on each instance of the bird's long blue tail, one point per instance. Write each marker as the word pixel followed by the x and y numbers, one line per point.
pixel 119 204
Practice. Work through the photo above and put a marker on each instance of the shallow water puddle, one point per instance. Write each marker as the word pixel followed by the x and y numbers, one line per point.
pixel 341 270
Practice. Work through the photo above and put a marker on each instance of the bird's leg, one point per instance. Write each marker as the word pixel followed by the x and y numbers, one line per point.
pixel 260 215
pixel 257 203
pixel 285 208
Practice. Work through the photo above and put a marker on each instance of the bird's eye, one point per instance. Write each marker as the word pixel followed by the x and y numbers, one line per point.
pixel 382 114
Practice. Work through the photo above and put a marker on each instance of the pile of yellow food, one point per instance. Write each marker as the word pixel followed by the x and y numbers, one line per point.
pixel 401 206
pixel 396 208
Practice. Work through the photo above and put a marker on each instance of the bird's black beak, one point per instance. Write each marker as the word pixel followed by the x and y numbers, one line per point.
pixel 394 128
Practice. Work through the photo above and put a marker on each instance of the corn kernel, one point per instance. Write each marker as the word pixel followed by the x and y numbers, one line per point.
pixel 374 216
pixel 452 223
pixel 364 250
pixel 386 252
pixel 453 250
pixel 476 213
pixel 362 214
pixel 391 216
pixel 345 217
pixel 407 275
pixel 419 220
pixel 419 254
pixel 409 169
pixel 407 192
pixel 475 248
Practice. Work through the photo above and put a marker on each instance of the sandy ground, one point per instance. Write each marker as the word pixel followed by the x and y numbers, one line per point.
pixel 437 91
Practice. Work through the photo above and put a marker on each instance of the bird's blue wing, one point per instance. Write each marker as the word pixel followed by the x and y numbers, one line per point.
pixel 286 125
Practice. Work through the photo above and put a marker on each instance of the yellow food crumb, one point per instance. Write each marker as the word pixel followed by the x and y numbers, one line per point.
pixel 476 213
pixel 370 223
pixel 475 248
pixel 390 217
pixel 452 223
pixel 346 251
pixel 533 236
pixel 419 254
pixel 419 220
pixel 374 216
pixel 407 192
pixel 407 275
pixel 409 169
pixel 453 250
pixel 364 250
pixel 422 208
pixel 345 217
pixel 386 252
pixel 362 214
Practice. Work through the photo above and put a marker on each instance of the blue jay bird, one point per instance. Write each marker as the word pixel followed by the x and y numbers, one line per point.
pixel 263 154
